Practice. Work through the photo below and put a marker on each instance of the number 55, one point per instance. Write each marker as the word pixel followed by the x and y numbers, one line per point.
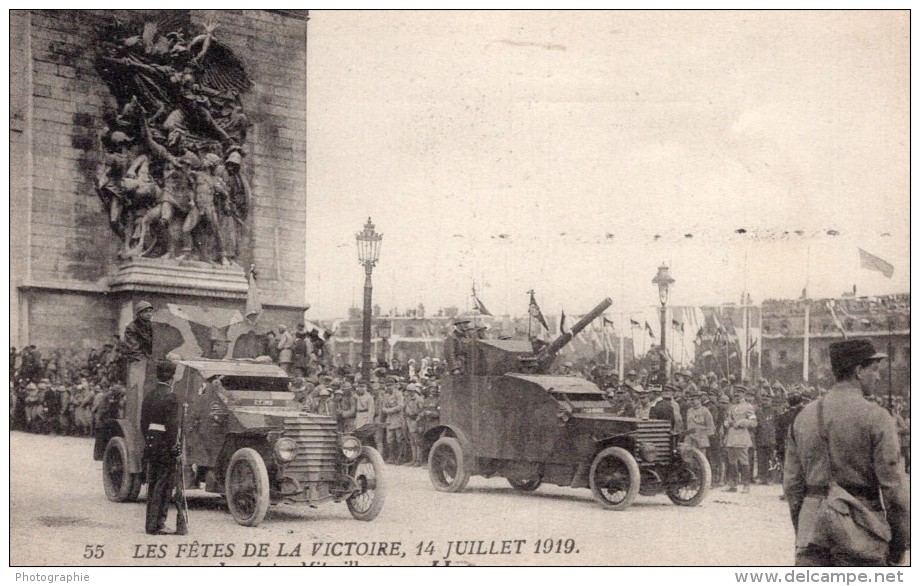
pixel 93 552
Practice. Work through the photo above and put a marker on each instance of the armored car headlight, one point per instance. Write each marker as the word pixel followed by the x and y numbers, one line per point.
pixel 285 449
pixel 351 447
pixel 647 452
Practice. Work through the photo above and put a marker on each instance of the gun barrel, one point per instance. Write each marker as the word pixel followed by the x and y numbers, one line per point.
pixel 581 324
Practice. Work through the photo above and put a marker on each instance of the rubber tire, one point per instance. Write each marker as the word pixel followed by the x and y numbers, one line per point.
pixel 128 489
pixel 632 468
pixel 462 476
pixel 528 485
pixel 254 460
pixel 703 463
pixel 380 488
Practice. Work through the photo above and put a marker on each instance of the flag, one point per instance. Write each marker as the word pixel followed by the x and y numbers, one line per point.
pixel 534 311
pixel 479 306
pixel 830 306
pixel 874 263
pixel 562 329
pixel 253 304
pixel 699 337
pixel 633 323
pixel 675 324
pixel 648 329
pixel 607 322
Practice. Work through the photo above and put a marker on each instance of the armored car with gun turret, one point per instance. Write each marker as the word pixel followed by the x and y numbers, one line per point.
pixel 505 415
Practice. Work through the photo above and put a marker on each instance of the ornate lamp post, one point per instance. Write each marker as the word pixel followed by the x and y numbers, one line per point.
pixel 664 280
pixel 368 252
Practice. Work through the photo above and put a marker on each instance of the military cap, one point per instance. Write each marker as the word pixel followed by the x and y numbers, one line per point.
pixel 568 363
pixel 739 389
pixel 686 373
pixel 655 389
pixel 848 354
pixel 643 371
pixel 777 385
pixel 631 373
pixel 338 392
pixel 668 388
pixel 324 392
pixel 141 306
pixel 31 387
pixel 460 321
pixel 724 399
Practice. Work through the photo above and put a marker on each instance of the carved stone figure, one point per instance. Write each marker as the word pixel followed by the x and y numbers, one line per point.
pixel 171 176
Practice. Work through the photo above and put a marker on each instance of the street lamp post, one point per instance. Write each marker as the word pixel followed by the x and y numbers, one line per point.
pixel 368 252
pixel 664 280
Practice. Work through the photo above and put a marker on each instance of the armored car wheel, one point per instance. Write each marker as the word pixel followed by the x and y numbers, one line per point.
pixel 690 482
pixel 614 478
pixel 120 485
pixel 526 484
pixel 446 466
pixel 367 502
pixel 247 487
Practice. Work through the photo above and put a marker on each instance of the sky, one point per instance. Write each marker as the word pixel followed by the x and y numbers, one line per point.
pixel 573 152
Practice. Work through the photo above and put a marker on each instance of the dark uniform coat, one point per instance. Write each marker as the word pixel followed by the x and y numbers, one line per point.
pixel 160 421
pixel 138 339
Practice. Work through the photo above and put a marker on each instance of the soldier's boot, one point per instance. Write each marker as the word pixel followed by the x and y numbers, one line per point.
pixel 388 451
pixel 415 457
pixel 182 523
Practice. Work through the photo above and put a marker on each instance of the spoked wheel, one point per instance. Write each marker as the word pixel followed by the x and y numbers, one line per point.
pixel 367 502
pixel 526 484
pixel 120 485
pixel 691 481
pixel 614 478
pixel 247 487
pixel 446 467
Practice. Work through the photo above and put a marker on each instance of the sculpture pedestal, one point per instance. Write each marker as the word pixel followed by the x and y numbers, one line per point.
pixel 189 278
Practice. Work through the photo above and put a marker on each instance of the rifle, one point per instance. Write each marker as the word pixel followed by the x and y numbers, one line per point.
pixel 181 503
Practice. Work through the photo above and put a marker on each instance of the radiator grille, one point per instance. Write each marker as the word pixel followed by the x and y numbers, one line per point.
pixel 657 433
pixel 317 447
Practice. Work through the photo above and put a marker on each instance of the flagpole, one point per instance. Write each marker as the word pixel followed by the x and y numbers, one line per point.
pixel 805 340
pixel 744 322
pixel 760 345
pixel 622 344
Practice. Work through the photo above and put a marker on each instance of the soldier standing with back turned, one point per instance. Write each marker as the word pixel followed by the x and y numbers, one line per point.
pixel 861 442
pixel 161 418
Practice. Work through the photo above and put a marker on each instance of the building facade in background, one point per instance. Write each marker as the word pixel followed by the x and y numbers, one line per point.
pixel 116 115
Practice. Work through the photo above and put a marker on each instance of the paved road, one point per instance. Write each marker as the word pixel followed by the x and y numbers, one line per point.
pixel 58 509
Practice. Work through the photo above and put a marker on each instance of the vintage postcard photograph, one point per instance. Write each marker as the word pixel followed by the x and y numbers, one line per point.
pixel 328 288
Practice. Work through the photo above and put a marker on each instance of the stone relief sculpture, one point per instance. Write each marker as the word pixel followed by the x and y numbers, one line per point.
pixel 171 175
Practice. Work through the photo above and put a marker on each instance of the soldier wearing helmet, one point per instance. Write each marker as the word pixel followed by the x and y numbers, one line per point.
pixel 138 336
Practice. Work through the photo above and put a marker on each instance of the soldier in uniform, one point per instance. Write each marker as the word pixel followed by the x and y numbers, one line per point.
pixel 346 408
pixel 455 346
pixel 699 425
pixel 413 411
pixel 861 441
pixel 393 405
pixel 138 338
pixel 739 420
pixel 364 406
pixel 161 419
